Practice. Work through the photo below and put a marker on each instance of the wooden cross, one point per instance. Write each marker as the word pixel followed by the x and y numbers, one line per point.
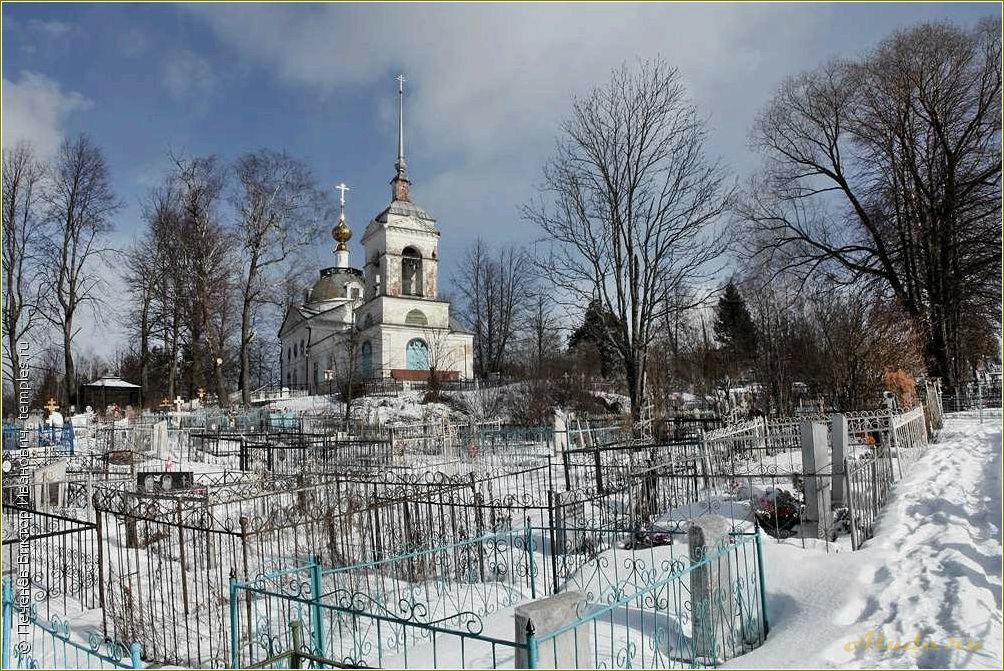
pixel 201 392
pixel 51 406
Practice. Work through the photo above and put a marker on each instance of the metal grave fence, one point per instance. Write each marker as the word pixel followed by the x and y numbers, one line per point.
pixel 452 606
pixel 33 642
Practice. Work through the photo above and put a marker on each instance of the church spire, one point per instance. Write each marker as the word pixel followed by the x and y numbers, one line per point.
pixel 341 232
pixel 400 185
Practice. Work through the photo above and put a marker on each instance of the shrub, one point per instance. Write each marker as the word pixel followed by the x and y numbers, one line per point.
pixel 903 386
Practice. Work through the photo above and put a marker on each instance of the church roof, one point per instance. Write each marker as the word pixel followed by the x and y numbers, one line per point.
pixel 331 283
pixel 111 381
pixel 404 208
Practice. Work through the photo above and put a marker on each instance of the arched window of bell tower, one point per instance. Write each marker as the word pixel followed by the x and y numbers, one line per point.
pixel 411 272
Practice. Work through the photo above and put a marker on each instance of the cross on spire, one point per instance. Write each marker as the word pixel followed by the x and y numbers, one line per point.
pixel 400 184
pixel 342 188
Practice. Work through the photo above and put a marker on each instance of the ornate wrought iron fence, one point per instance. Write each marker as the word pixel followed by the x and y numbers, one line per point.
pixel 63 558
pixel 697 610
pixel 32 642
pixel 451 606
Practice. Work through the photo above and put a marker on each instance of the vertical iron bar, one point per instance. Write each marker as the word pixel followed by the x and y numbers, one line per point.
pixel 315 588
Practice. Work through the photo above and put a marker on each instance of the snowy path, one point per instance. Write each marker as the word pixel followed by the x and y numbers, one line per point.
pixel 931 575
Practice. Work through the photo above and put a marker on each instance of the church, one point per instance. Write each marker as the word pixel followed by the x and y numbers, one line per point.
pixel 386 320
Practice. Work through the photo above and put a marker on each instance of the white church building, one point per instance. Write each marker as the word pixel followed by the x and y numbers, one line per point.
pixel 386 320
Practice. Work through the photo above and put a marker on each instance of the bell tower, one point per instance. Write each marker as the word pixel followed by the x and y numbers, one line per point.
pixel 402 242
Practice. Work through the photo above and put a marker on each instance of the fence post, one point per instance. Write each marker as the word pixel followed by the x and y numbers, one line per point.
pixel 850 505
pixel 234 656
pixel 979 397
pixel 531 568
pixel 893 434
pixel 134 653
pixel 762 573
pixel 315 605
pixel 838 441
pixel 296 636
pixel 8 613
pixel 532 652
pixel 552 505
pixel 598 462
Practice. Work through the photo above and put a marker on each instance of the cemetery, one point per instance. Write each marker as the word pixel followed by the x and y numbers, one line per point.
pixel 461 335
pixel 238 538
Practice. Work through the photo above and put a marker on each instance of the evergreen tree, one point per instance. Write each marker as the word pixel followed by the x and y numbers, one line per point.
pixel 734 329
pixel 595 333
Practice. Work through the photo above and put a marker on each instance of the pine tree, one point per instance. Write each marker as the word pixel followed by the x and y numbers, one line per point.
pixel 734 328
pixel 597 325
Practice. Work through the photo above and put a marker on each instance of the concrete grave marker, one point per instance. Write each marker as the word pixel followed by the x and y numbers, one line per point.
pixel 570 650
pixel 715 613
pixel 816 467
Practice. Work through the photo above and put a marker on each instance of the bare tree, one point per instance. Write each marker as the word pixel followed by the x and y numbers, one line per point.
pixel 80 204
pixel 630 204
pixel 22 235
pixel 139 271
pixel 346 366
pixel 205 253
pixel 542 335
pixel 280 212
pixel 163 214
pixel 495 289
pixel 442 358
pixel 887 170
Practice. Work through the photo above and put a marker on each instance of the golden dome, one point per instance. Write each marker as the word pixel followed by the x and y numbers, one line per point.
pixel 342 234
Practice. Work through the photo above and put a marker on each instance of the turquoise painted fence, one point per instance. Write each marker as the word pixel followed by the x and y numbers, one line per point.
pixel 452 606
pixel 677 616
pixel 30 642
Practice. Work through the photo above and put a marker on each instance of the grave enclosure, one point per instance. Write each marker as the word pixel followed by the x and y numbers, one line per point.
pixel 422 545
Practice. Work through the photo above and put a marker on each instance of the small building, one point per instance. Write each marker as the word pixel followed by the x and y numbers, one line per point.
pixel 109 390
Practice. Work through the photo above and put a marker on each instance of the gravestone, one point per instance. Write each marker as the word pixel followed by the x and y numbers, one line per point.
pixel 164 482
pixel 560 432
pixel 840 440
pixel 159 441
pixel 715 613
pixel 570 650
pixel 50 485
pixel 569 520
pixel 817 472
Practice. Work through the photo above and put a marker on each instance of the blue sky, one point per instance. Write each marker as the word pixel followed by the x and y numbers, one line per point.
pixel 488 85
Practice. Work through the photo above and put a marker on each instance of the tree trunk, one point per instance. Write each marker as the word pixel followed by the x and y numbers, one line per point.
pixel 221 389
pixel 144 351
pixel 69 377
pixel 245 353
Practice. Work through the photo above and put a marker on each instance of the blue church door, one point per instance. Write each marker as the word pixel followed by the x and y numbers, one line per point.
pixel 417 354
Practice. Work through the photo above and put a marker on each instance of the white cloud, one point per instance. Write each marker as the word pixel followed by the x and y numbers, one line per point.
pixel 50 28
pixel 490 83
pixel 188 75
pixel 35 109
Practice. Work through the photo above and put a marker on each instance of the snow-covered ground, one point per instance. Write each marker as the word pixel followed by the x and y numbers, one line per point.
pixel 929 581
pixel 931 576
